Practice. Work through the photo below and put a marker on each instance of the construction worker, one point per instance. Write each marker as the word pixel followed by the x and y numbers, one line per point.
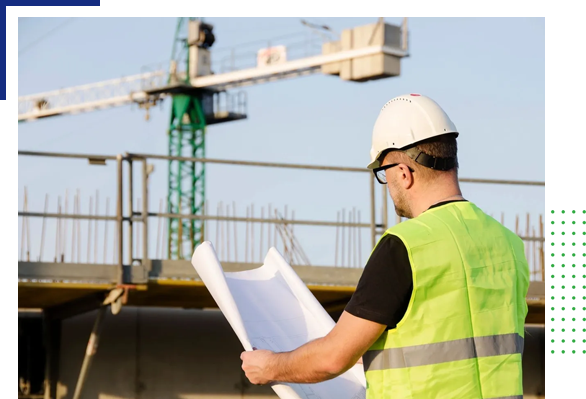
pixel 440 308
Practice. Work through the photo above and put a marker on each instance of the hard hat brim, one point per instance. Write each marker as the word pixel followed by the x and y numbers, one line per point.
pixel 375 163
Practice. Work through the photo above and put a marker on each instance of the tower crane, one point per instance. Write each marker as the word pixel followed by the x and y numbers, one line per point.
pixel 201 98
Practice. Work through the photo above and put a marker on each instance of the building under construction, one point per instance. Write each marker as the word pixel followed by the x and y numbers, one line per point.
pixel 109 304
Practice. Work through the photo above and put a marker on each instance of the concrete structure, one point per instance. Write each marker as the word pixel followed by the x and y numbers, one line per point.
pixel 169 352
pixel 155 353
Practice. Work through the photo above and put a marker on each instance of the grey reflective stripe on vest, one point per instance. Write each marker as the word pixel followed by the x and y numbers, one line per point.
pixel 441 352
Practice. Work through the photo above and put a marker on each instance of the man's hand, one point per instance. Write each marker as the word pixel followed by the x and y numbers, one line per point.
pixel 318 360
pixel 257 366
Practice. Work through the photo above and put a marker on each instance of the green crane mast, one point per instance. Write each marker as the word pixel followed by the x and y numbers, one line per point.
pixel 191 111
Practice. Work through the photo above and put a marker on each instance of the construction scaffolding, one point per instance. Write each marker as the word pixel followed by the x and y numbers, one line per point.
pixel 238 238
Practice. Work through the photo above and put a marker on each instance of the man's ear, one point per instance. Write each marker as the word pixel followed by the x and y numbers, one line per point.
pixel 406 178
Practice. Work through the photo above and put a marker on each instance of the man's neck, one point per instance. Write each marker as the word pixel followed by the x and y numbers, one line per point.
pixel 443 191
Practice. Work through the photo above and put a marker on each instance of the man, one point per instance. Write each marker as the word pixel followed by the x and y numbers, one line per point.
pixel 440 308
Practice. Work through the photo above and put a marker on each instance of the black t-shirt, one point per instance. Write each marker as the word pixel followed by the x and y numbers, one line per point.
pixel 385 287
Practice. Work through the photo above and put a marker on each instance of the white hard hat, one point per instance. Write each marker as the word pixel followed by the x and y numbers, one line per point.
pixel 405 121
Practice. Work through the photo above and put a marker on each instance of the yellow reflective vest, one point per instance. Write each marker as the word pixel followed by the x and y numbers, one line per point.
pixel 462 334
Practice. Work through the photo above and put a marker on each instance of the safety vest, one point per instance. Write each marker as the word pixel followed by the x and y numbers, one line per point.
pixel 462 334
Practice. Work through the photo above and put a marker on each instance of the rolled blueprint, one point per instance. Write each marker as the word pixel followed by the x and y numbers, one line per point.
pixel 271 308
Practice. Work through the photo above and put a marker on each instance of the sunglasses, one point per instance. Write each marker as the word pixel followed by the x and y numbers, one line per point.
pixel 380 174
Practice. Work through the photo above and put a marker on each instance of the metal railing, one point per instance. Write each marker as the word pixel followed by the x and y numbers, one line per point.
pixel 141 212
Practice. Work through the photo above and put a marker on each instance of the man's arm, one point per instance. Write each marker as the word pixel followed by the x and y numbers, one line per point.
pixel 318 360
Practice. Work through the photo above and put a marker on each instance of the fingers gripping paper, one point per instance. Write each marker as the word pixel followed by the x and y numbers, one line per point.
pixel 271 308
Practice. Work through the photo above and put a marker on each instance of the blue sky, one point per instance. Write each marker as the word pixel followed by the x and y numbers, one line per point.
pixel 488 74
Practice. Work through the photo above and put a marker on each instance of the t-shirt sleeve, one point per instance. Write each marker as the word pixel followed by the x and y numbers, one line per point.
pixel 385 287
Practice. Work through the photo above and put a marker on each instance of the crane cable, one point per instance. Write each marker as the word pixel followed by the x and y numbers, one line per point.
pixel 43 37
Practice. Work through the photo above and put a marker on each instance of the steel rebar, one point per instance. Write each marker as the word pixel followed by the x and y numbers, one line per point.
pixel 28 237
pixel 343 241
pixel 246 236
pixel 292 232
pixel 299 249
pixel 528 249
pixel 205 223
pixel 217 243
pixel 235 232
pixel 222 235
pixel 533 251
pixel 78 222
pixel 89 232
pixel 262 216
pixel 281 227
pixel 337 238
pixel 43 229
pixel 275 231
pixel 351 220
pixel 73 228
pixel 165 240
pixel 58 228
pixel 23 229
pixel 252 233
pixel 138 253
pixel 106 231
pixel 63 239
pixel 359 242
pixel 96 227
pixel 158 256
pixel 228 233
pixel 354 238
